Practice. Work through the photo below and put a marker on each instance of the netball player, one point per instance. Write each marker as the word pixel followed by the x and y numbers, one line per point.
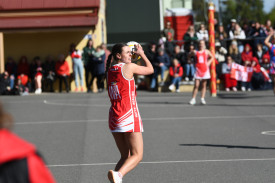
pixel 271 47
pixel 124 118
pixel 203 61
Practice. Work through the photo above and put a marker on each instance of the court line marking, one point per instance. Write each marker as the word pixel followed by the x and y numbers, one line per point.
pixel 150 119
pixel 168 162
pixel 268 133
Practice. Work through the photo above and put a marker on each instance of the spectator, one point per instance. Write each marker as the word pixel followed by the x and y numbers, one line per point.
pixel 168 32
pixel 49 73
pixel 266 61
pixel 238 34
pixel 169 47
pixel 226 69
pixel 23 66
pixel 257 79
pixel 190 65
pixel 190 37
pixel 77 67
pixel 99 68
pixel 231 26
pixel 5 88
pixel 11 68
pixel 202 33
pixel 258 36
pixel 221 35
pixel 259 52
pixel 87 58
pixel 20 161
pixel 247 55
pixel 23 84
pixel 62 71
pixel 178 55
pixel 176 73
pixel 36 75
pixel 268 27
pixel 107 53
pixel 151 52
pixel 247 85
pixel 220 57
pixel 161 64
pixel 234 52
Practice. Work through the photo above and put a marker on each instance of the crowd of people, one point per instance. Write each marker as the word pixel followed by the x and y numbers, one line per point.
pixel 23 77
pixel 249 45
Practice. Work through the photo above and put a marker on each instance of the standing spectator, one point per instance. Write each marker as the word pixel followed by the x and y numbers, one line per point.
pixel 11 68
pixel 259 53
pixel 257 79
pixel 247 85
pixel 271 47
pixel 258 36
pixel 99 68
pixel 190 65
pixel 220 57
pixel 190 37
pixel 176 73
pixel 231 26
pixel 151 52
pixel 178 55
pixel 234 52
pixel 221 35
pixel 161 63
pixel 247 55
pixel 268 27
pixel 107 53
pixel 226 69
pixel 62 70
pixel 168 32
pixel 204 59
pixel 238 34
pixel 202 33
pixel 77 67
pixel 20 161
pixel 23 66
pixel 169 47
pixel 49 72
pixel 87 58
pixel 36 73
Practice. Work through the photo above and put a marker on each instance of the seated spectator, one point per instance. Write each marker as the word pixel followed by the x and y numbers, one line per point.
pixel 266 61
pixel 202 33
pixel 190 37
pixel 49 73
pixel 257 80
pixel 234 52
pixel 229 83
pixel 23 66
pixel 99 68
pixel 62 70
pixel 20 161
pixel 220 57
pixel 161 64
pixel 176 73
pixel 22 84
pixel 221 35
pixel 247 55
pixel 5 88
pixel 190 65
pixel 11 68
pixel 238 34
pixel 168 32
pixel 259 53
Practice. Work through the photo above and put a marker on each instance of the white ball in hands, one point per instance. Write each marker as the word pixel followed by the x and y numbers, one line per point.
pixel 132 44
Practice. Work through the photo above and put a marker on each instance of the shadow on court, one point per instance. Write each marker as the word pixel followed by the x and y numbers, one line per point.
pixel 229 146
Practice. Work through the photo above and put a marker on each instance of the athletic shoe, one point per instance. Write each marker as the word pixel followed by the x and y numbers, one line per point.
pixel 234 89
pixel 38 91
pixel 186 78
pixel 227 89
pixel 192 101
pixel 243 88
pixel 114 177
pixel 171 87
pixel 161 83
pixel 178 90
pixel 203 101
pixel 249 89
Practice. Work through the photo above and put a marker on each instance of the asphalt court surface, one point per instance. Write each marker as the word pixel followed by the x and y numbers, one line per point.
pixel 231 139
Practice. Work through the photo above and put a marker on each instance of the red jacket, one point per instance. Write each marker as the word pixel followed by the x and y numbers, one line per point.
pixel 257 67
pixel 176 70
pixel 62 68
pixel 13 151
pixel 247 56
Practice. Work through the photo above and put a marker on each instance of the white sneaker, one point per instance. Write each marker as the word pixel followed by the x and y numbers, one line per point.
pixel 203 101
pixel 178 90
pixel 227 89
pixel 249 89
pixel 38 91
pixel 186 78
pixel 114 177
pixel 192 101
pixel 171 87
pixel 243 88
pixel 234 89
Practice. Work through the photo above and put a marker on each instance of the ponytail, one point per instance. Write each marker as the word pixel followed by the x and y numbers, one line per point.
pixel 108 64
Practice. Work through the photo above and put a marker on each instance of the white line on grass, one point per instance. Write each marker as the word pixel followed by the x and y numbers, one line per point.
pixel 150 119
pixel 168 162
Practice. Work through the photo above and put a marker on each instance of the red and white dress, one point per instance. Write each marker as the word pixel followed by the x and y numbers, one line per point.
pixel 202 69
pixel 123 114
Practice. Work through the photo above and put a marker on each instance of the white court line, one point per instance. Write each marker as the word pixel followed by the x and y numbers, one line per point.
pixel 149 119
pixel 168 162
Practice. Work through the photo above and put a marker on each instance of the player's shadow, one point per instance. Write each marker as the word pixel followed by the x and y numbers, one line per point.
pixel 240 96
pixel 229 146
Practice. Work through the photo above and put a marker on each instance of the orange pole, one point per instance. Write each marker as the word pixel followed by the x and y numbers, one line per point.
pixel 213 83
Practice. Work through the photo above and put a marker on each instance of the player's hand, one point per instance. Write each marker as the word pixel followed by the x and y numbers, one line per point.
pixel 139 49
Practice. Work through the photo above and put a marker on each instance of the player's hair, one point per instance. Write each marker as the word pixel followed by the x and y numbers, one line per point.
pixel 117 48
pixel 5 119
